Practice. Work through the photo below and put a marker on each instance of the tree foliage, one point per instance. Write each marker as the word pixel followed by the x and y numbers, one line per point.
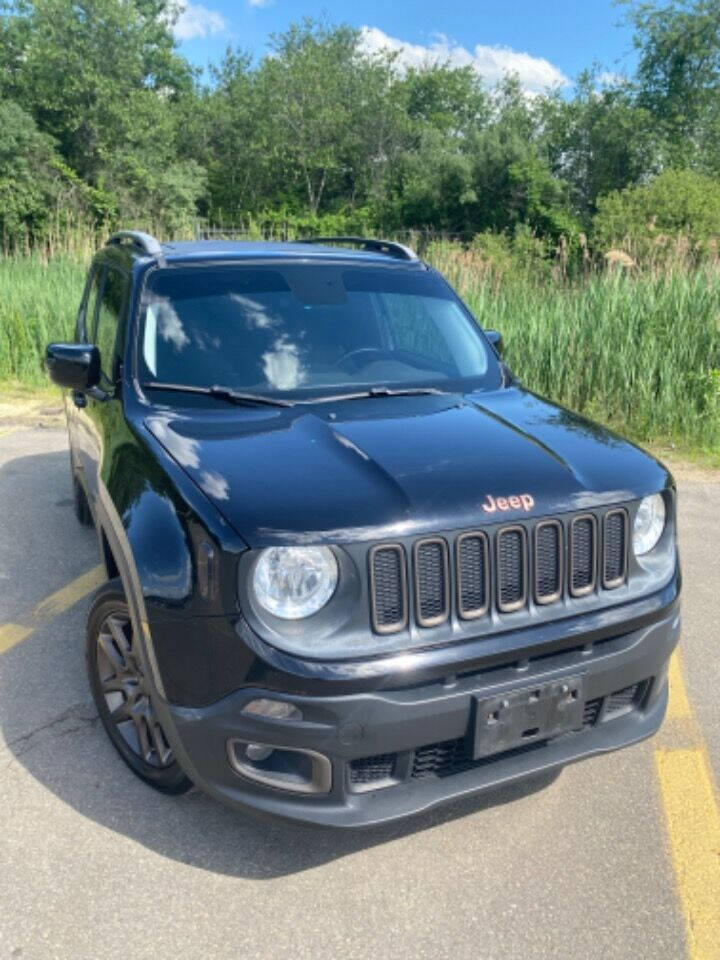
pixel 104 118
pixel 676 203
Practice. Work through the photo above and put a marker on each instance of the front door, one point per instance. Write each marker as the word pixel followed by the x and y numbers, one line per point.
pixel 102 412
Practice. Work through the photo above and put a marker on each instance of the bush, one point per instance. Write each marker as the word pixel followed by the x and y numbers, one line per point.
pixel 678 208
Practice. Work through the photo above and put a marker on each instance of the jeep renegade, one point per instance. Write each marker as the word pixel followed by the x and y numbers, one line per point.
pixel 355 569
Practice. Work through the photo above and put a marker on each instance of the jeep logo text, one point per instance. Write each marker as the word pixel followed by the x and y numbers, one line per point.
pixel 521 501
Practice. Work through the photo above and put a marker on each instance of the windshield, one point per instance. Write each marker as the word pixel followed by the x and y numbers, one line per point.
pixel 305 330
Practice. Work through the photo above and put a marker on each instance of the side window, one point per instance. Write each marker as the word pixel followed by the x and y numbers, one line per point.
pixel 86 314
pixel 110 317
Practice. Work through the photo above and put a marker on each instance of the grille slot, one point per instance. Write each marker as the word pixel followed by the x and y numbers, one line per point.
pixel 622 701
pixel 452 756
pixel 388 588
pixel 370 770
pixel 615 544
pixel 432 582
pixel 548 561
pixel 583 555
pixel 591 711
pixel 511 569
pixel 440 759
pixel 473 575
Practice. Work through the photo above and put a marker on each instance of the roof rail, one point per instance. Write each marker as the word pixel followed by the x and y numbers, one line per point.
pixel 147 243
pixel 388 247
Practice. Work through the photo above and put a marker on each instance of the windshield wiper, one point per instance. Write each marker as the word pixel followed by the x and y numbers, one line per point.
pixel 225 393
pixel 377 392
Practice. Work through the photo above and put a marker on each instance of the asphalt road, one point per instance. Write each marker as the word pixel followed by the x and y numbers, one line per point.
pixel 93 864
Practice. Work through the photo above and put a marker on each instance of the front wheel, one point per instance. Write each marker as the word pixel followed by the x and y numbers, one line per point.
pixel 122 693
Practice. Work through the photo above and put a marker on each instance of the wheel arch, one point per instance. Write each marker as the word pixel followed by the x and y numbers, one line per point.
pixel 117 555
pixel 108 557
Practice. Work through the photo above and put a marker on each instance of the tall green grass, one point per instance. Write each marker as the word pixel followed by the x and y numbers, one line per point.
pixel 639 352
pixel 38 303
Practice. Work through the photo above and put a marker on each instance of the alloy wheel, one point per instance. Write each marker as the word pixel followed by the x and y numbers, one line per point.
pixel 127 693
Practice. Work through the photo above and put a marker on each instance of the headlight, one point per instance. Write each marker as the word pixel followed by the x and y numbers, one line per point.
pixel 295 582
pixel 649 524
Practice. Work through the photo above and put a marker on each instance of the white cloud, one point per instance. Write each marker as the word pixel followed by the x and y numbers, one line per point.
pixel 491 63
pixel 259 3
pixel 195 20
pixel 608 79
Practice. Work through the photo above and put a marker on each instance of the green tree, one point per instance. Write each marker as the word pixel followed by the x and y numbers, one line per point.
pixel 678 75
pixel 102 78
pixel 308 89
pixel 512 177
pixel 599 140
pixel 34 183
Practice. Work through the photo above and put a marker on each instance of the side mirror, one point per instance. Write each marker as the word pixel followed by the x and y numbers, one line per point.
pixel 73 365
pixel 495 338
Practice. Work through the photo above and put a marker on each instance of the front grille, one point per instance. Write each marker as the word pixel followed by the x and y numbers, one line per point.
pixel 500 569
pixel 432 587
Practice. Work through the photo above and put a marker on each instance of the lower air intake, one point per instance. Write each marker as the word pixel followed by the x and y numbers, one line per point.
pixel 622 701
pixel 372 769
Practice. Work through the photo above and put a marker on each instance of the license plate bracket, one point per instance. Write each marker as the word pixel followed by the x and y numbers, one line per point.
pixel 520 717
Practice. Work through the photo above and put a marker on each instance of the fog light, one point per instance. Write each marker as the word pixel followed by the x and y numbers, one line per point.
pixel 285 768
pixel 257 752
pixel 272 709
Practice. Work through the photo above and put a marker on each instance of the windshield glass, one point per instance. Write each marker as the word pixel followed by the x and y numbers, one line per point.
pixel 309 329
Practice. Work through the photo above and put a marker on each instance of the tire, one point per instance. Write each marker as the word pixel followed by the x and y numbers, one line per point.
pixel 80 503
pixel 123 696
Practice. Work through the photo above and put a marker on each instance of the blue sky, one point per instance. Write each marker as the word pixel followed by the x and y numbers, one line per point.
pixel 544 41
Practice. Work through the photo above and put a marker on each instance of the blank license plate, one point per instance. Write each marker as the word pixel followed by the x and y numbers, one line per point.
pixel 522 716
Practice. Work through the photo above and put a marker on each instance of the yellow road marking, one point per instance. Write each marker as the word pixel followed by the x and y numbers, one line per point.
pixel 678 703
pixel 692 818
pixel 69 595
pixel 693 824
pixel 13 633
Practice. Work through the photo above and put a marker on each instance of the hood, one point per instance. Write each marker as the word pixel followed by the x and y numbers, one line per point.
pixel 397 466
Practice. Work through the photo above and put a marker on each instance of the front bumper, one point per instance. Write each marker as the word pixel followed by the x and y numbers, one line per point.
pixel 396 752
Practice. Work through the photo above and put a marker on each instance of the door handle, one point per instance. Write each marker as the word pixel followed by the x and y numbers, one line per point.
pixel 79 398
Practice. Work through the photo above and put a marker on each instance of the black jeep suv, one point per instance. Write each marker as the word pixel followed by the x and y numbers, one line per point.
pixel 354 569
